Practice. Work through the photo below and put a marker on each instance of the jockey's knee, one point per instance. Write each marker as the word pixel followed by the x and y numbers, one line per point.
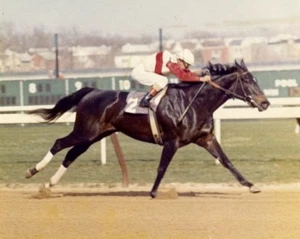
pixel 134 74
pixel 160 84
pixel 157 87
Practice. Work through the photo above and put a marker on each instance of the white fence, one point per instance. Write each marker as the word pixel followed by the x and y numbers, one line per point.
pixel 233 109
pixel 16 115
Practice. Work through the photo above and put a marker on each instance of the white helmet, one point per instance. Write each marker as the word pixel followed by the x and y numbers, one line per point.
pixel 187 56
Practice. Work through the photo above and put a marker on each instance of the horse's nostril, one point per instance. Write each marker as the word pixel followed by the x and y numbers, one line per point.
pixel 265 104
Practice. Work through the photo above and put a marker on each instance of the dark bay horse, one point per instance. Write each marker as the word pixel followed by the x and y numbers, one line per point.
pixel 100 113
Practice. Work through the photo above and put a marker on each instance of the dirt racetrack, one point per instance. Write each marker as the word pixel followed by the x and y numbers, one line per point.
pixel 198 212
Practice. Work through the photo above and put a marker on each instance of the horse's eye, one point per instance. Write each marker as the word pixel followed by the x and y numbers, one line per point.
pixel 247 79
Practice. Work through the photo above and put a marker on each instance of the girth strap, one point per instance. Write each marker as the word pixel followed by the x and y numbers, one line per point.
pixel 154 127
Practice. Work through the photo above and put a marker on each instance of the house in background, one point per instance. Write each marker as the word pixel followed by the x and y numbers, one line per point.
pixel 11 60
pixel 43 60
pixel 244 48
pixel 25 59
pixel 132 54
pixel 214 50
pixel 280 48
pixel 235 49
pixel 254 50
pixel 91 57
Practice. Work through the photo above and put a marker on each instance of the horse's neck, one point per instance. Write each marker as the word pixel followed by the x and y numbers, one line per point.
pixel 226 82
pixel 214 98
pixel 208 99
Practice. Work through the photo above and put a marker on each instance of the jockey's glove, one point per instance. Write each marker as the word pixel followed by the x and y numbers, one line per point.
pixel 205 72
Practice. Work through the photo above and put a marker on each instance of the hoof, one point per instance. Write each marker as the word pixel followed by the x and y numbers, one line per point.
pixel 45 191
pixel 254 189
pixel 153 194
pixel 30 172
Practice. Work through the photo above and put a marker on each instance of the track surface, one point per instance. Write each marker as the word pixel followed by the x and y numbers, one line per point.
pixel 214 214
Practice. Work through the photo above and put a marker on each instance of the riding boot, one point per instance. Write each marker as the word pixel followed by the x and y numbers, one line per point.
pixel 145 101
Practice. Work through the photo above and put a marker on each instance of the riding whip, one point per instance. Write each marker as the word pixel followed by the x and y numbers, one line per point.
pixel 189 106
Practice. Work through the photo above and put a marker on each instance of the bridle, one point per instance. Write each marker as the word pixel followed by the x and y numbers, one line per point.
pixel 243 97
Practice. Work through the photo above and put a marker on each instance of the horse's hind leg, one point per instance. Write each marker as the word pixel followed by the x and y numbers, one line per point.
pixel 59 145
pixel 213 147
pixel 71 156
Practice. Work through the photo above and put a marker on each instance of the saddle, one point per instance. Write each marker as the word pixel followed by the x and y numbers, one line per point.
pixel 132 107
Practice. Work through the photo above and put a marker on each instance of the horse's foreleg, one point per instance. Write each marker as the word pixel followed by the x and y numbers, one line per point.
pixel 213 147
pixel 168 152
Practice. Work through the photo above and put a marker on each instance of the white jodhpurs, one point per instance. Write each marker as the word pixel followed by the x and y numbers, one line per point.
pixel 149 78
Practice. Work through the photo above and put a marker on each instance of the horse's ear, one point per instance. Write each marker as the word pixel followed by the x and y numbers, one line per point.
pixel 224 67
pixel 236 63
pixel 243 64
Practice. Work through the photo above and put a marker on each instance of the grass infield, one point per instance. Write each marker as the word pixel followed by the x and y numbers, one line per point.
pixel 264 151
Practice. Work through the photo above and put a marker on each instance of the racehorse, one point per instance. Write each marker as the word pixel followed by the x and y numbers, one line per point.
pixel 100 113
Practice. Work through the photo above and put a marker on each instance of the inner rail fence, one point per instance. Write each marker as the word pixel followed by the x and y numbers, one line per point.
pixel 280 108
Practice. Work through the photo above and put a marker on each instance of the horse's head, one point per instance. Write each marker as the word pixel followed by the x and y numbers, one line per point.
pixel 237 82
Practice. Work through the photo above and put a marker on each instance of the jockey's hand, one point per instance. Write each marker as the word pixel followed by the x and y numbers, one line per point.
pixel 205 71
pixel 206 78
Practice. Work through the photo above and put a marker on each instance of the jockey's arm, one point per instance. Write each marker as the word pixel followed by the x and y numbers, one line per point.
pixel 185 75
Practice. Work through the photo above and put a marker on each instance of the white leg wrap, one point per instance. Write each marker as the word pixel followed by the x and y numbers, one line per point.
pixel 42 164
pixel 57 176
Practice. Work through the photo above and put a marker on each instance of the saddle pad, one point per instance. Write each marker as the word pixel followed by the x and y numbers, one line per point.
pixel 134 98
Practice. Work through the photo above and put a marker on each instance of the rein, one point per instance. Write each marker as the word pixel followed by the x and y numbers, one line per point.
pixel 241 97
pixel 189 106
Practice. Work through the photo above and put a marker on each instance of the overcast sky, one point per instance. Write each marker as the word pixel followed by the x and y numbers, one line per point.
pixel 139 17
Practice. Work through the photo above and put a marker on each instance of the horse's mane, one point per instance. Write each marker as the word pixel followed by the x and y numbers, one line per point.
pixel 221 69
pixel 215 69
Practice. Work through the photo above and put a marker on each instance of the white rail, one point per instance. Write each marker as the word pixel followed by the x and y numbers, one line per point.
pixel 233 109
pixel 16 115
pixel 236 109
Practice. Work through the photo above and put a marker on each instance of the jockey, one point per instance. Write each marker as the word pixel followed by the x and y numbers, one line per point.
pixel 154 69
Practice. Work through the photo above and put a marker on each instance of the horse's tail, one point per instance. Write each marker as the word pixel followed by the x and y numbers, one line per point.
pixel 65 104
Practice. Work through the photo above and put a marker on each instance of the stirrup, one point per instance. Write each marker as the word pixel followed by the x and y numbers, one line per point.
pixel 144 103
